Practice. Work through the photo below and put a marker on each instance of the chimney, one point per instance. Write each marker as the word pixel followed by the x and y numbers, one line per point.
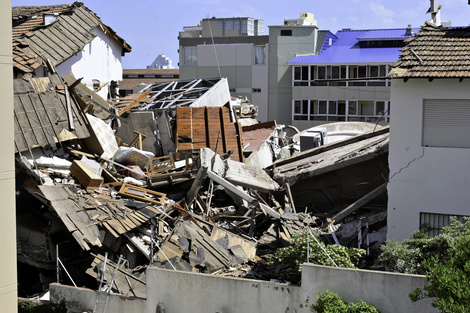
pixel 435 12
pixel 409 30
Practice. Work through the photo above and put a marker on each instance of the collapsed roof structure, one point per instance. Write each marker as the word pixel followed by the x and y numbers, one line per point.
pixel 160 177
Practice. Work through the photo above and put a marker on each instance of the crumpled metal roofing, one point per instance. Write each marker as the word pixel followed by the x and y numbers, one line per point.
pixel 346 49
pixel 435 52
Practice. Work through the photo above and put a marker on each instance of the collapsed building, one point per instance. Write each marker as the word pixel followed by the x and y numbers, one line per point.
pixel 182 186
pixel 170 177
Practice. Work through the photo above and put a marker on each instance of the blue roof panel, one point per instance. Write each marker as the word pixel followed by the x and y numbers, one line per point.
pixel 346 48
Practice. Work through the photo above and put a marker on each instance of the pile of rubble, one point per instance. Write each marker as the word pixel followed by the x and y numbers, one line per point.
pixel 155 182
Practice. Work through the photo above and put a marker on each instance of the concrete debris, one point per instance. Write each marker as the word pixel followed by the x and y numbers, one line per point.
pixel 206 196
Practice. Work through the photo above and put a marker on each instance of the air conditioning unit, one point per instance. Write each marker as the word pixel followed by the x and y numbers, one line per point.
pixel 312 138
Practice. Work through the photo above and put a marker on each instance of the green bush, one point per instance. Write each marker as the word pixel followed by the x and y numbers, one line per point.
pixel 408 256
pixel 449 280
pixel 330 302
pixel 294 256
pixel 444 259
pixel 51 307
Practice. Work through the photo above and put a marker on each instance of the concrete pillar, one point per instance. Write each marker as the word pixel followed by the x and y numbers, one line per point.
pixel 8 281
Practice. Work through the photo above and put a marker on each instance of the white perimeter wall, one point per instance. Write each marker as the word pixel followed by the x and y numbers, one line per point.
pixel 438 181
pixel 100 59
pixel 200 293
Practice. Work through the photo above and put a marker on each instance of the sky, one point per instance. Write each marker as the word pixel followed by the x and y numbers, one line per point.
pixel 151 27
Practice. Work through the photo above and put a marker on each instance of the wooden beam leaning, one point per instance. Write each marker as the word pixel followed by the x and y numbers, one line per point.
pixel 135 102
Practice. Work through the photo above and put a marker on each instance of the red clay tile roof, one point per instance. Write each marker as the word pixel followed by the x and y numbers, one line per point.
pixel 435 52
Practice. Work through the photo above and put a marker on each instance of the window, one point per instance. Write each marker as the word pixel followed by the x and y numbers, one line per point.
pixel 300 75
pixel 332 109
pixel 251 27
pixel 260 28
pixel 260 55
pixel 446 123
pixel 190 55
pixel 229 24
pixel 321 72
pixel 352 108
pixel 236 24
pixel 286 32
pixel 220 25
pixel 244 27
pixel 256 90
pixel 301 109
pixel 379 108
pixel 431 223
pixel 366 108
pixel 322 107
pixel 232 90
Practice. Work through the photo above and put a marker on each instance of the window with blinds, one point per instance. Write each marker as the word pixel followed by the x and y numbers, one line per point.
pixel 446 123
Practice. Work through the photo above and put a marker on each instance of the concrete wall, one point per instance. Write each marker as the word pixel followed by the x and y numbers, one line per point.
pixel 187 292
pixel 8 282
pixel 83 300
pixel 281 50
pixel 200 293
pixel 100 59
pixel 438 179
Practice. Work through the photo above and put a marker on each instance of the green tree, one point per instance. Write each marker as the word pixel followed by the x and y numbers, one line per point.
pixel 444 259
pixel 294 256
pixel 449 281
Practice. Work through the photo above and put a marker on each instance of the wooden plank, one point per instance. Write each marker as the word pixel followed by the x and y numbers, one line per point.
pixel 135 102
pixel 142 194
pixel 110 229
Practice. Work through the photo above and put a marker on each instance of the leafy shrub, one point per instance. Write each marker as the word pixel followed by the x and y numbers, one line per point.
pixel 330 302
pixel 449 280
pixel 51 307
pixel 294 256
pixel 408 256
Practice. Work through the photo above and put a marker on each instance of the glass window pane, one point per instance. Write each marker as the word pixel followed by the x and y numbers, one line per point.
pixel 361 71
pixel 297 70
pixel 335 72
pixel 379 108
pixel 305 107
pixel 297 107
pixel 374 71
pixel 313 70
pixel 332 107
pixel 321 72
pixel 259 55
pixel 304 72
pixel 352 108
pixel 322 107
